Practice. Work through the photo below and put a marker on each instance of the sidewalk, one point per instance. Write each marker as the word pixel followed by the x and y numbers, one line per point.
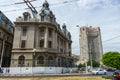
pixel 43 75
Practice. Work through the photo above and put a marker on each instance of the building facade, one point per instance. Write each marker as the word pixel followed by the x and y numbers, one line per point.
pixel 6 40
pixel 90 43
pixel 41 41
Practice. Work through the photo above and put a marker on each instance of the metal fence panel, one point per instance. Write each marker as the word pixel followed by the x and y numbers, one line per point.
pixel 37 70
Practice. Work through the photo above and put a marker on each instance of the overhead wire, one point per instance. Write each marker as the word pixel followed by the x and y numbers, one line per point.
pixel 64 2
pixel 112 38
pixel 5 5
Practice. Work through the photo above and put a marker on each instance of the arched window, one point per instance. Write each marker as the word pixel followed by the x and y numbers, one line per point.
pixel 40 60
pixel 50 60
pixel 21 60
pixel 42 18
pixel 26 16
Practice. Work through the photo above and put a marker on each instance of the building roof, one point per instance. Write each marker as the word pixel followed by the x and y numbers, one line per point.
pixel 8 24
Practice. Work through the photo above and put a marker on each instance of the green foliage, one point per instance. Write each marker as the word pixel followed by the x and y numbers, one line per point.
pixel 107 77
pixel 111 59
pixel 81 65
pixel 94 63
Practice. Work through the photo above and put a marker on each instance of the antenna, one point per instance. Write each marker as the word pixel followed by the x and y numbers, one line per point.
pixel 32 8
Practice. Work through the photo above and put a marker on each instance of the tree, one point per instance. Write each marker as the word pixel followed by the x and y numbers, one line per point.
pixel 94 63
pixel 81 65
pixel 111 59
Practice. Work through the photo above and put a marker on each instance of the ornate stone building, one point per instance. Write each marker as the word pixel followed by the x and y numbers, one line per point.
pixel 41 41
pixel 90 43
pixel 6 40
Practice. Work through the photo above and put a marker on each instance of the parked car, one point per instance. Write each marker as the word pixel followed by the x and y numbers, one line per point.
pixel 82 69
pixel 116 75
pixel 110 69
pixel 99 71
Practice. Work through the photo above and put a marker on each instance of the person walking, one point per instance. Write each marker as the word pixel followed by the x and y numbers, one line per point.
pixel 1 71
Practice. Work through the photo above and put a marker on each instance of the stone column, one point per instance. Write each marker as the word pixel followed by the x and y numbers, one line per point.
pixel 54 40
pixel 46 38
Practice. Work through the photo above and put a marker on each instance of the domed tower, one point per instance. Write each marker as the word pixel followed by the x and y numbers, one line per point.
pixel 46 14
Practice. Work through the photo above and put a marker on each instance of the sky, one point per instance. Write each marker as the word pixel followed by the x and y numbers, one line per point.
pixel 97 13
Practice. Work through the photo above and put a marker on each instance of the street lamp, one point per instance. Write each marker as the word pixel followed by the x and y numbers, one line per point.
pixel 90 58
pixel 33 60
pixel 86 69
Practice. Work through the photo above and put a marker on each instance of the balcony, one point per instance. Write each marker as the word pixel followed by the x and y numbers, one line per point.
pixel 47 50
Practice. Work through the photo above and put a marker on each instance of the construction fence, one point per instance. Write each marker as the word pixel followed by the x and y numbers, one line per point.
pixel 37 70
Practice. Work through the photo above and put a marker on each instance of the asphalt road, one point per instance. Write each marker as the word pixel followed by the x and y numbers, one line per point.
pixel 109 73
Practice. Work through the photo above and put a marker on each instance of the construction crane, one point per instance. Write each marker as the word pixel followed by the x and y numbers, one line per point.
pixel 32 8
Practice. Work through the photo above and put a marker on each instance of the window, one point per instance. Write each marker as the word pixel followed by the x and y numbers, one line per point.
pixel 58 39
pixel 25 17
pixel 50 32
pixel 69 53
pixel 41 43
pixel 61 50
pixel 7 49
pixel 61 42
pixel 69 46
pixel 23 43
pixel 51 19
pixel 0 47
pixel 42 32
pixel 21 60
pixel 50 60
pixel 24 31
pixel 6 23
pixel 0 34
pixel 49 44
pixel 59 63
pixel 40 60
pixel 83 29
pixel 42 18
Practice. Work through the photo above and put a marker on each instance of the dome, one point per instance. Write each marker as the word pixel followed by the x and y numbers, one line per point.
pixel 46 5
pixel 46 14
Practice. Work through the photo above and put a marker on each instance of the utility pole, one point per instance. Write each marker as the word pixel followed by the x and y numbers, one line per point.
pixel 86 69
pixel 90 54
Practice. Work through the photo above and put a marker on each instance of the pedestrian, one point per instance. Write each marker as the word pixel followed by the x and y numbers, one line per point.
pixel 8 70
pixel 1 71
pixel 71 70
pixel 62 70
